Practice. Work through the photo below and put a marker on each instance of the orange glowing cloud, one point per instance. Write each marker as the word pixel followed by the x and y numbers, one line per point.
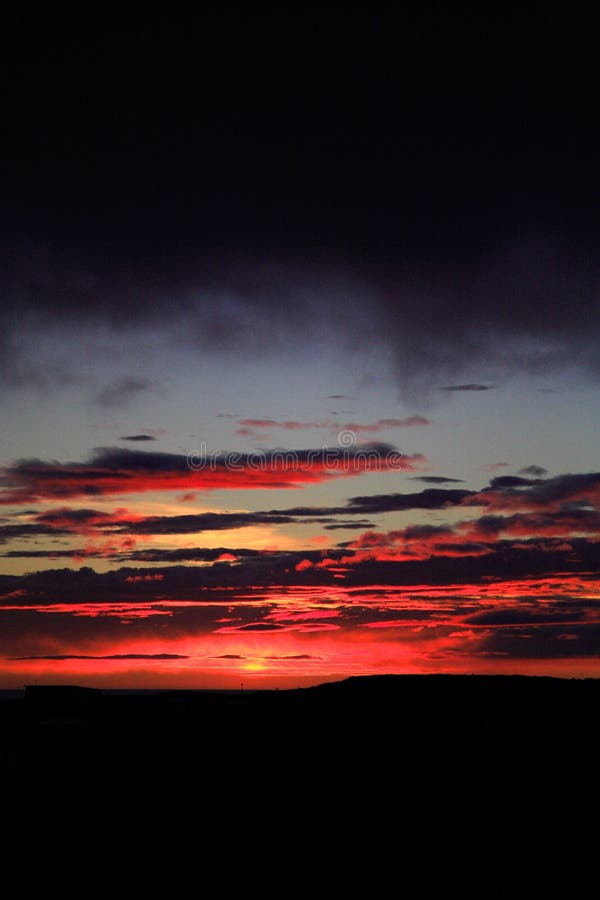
pixel 118 471
pixel 318 630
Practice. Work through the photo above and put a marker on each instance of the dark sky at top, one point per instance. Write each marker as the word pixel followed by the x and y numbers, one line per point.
pixel 443 166
pixel 330 131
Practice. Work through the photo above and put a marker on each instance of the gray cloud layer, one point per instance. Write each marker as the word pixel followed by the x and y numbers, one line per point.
pixel 530 305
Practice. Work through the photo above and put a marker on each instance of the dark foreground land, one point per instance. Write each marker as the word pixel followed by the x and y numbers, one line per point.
pixel 449 766
pixel 393 718
pixel 394 729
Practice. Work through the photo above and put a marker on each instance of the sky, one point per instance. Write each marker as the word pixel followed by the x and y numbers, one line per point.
pixel 299 340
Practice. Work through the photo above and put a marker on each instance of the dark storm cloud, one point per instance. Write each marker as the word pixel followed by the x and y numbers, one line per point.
pixel 190 554
pixel 436 479
pixel 72 518
pixel 482 534
pixel 468 387
pixel 113 656
pixel 339 526
pixel 121 393
pixel 511 481
pixel 175 582
pixel 417 532
pixel 534 471
pixel 15 532
pixel 228 656
pixel 513 313
pixel 540 493
pixel 261 626
pixel 525 615
pixel 504 561
pixel 41 554
pixel 544 641
pixel 564 486
pixel 430 498
pixel 556 522
pixel 138 437
pixel 183 554
pixel 157 525
pixel 458 548
pixel 294 656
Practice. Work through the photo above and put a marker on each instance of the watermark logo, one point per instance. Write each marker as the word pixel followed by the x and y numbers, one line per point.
pixel 346 439
pixel 348 456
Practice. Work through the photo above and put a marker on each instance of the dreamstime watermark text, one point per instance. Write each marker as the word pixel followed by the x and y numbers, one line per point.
pixel 348 456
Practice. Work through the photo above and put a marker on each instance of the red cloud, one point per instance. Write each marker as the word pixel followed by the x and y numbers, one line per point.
pixel 257 423
pixel 118 471
pixel 110 547
pixel 84 521
pixel 574 493
pixel 472 537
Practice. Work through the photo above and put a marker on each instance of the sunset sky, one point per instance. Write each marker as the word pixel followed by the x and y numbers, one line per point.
pixel 299 349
